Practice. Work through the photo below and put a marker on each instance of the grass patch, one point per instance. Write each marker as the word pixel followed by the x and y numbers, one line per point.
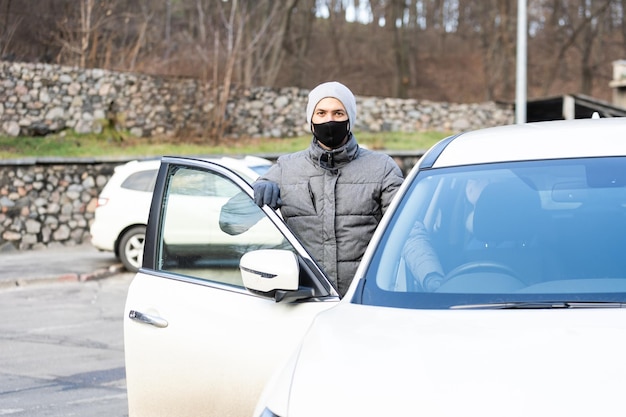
pixel 93 145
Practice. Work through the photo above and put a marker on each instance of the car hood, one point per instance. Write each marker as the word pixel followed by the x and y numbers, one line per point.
pixel 373 361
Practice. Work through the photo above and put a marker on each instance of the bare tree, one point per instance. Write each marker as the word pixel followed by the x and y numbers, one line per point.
pixel 597 14
pixel 139 38
pixel 80 36
pixel 281 13
pixel 298 37
pixel 8 29
pixel 623 25
pixel 437 49
pixel 86 10
pixel 265 33
pixel 168 26
pixel 489 48
pixel 228 19
pixel 580 31
pixel 397 26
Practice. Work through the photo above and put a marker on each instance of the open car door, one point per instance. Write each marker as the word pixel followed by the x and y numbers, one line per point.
pixel 197 341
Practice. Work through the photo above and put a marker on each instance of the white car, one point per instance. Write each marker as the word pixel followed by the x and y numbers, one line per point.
pixel 495 285
pixel 121 214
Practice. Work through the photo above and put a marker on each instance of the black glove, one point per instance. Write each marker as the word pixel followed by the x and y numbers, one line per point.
pixel 267 192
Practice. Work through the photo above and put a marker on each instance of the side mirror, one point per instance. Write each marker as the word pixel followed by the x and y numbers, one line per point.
pixel 269 270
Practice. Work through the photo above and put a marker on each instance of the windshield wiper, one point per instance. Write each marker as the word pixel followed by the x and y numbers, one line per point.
pixel 511 305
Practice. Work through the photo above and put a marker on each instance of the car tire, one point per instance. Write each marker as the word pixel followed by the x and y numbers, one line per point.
pixel 130 248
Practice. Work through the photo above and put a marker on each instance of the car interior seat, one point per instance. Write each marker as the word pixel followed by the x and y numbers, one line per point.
pixel 507 226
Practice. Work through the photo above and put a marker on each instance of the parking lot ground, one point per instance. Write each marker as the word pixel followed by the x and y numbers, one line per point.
pixel 59 263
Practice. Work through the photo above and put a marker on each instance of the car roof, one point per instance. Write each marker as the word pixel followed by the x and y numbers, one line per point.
pixel 229 162
pixel 532 141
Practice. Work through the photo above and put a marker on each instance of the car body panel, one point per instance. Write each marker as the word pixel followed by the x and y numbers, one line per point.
pixel 120 208
pixel 405 362
pixel 530 141
pixel 211 359
pixel 196 341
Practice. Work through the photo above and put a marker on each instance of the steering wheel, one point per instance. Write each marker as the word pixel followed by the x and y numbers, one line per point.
pixel 479 266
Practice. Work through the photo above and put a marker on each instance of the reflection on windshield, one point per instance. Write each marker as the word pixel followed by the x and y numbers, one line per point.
pixel 531 231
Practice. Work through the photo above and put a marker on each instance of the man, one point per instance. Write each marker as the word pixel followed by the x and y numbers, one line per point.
pixel 333 194
pixel 419 253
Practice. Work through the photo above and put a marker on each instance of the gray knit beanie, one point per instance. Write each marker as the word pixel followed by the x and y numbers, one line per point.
pixel 335 90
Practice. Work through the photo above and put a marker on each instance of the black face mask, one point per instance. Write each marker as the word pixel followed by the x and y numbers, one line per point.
pixel 331 134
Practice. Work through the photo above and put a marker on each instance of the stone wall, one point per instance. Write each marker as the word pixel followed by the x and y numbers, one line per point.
pixel 36 99
pixel 43 204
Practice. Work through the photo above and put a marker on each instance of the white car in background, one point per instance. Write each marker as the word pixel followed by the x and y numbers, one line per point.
pixel 123 205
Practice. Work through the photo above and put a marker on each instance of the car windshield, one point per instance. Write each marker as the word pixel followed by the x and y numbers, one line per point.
pixel 514 235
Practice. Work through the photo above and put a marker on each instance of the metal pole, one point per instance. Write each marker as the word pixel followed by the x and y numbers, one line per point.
pixel 520 84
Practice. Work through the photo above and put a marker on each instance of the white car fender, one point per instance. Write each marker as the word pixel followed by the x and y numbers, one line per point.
pixel 275 395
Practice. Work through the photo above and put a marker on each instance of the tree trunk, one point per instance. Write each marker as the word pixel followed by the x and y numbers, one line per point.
pixel 397 27
pixel 86 9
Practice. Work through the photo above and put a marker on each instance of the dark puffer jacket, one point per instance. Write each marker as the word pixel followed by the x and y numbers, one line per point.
pixel 333 201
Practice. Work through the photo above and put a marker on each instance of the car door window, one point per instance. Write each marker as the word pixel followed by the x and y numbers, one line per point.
pixel 141 181
pixel 207 224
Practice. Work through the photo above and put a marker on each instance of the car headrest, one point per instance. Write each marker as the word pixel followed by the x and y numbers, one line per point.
pixel 507 211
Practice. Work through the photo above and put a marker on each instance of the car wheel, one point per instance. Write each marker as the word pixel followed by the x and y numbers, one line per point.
pixel 131 248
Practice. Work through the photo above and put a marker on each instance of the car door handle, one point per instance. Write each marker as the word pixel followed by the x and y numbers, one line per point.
pixel 147 318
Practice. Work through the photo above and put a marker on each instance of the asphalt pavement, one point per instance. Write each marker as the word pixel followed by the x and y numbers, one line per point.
pixel 58 263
